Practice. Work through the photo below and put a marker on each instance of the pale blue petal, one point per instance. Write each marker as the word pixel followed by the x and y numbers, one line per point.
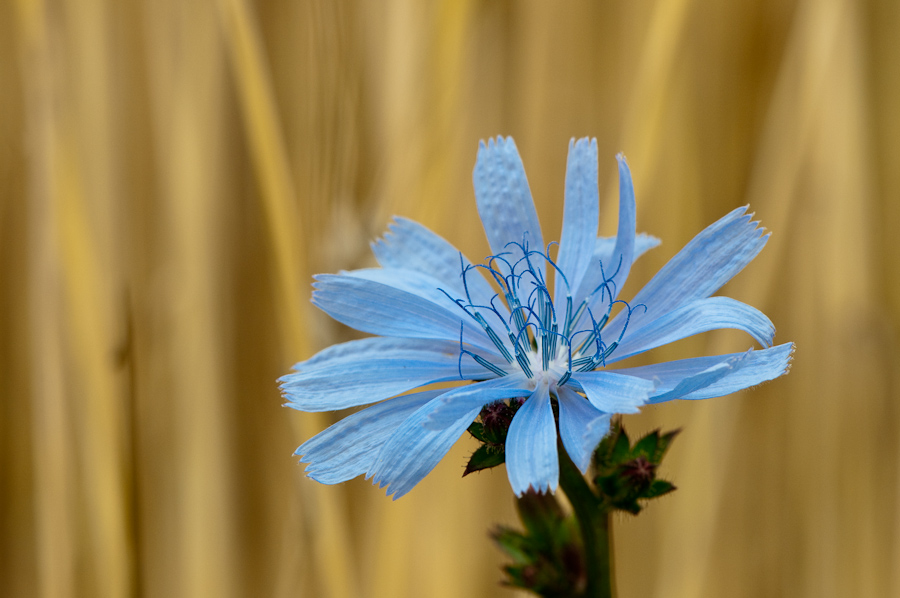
pixel 605 279
pixel 381 309
pixel 699 316
pixel 600 268
pixel 604 247
pixel 581 214
pixel 370 370
pixel 504 200
pixel 624 251
pixel 433 290
pixel 454 404
pixel 746 370
pixel 414 450
pixel 330 389
pixel 581 426
pixel 531 457
pixel 410 281
pixel 612 392
pixel 410 246
pixel 379 347
pixel 349 447
pixel 702 380
pixel 710 260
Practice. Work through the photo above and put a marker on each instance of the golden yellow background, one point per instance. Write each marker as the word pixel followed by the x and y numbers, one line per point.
pixel 172 172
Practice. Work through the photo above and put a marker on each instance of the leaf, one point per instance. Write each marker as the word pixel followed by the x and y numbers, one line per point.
pixel 513 543
pixel 663 445
pixel 658 488
pixel 629 505
pixel 477 430
pixel 647 446
pixel 547 557
pixel 622 449
pixel 542 516
pixel 613 448
pixel 485 457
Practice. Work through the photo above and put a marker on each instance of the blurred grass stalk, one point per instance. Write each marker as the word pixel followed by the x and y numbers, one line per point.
pixel 816 97
pixel 79 453
pixel 327 524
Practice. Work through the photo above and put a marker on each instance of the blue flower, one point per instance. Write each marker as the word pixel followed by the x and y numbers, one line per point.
pixel 496 329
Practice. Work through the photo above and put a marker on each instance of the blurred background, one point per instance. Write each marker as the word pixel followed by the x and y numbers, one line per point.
pixel 172 172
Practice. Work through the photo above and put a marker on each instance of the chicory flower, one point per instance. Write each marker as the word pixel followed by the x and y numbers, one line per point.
pixel 498 330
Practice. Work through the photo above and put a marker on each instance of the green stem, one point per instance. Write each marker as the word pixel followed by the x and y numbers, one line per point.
pixel 594 523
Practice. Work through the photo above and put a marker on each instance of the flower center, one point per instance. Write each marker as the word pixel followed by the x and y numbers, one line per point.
pixel 530 334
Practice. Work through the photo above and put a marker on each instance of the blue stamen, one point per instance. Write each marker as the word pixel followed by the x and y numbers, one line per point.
pixel 546 317
pixel 515 343
pixel 515 310
pixel 551 337
pixel 498 278
pixel 521 353
pixel 522 358
pixel 499 257
pixel 478 359
pixel 524 331
pixel 496 311
pixel 519 279
pixel 463 271
pixel 585 364
pixel 555 267
pixel 574 321
pixel 628 318
pixel 578 363
pixel 517 313
pixel 493 336
pixel 498 342
pixel 485 363
pixel 607 282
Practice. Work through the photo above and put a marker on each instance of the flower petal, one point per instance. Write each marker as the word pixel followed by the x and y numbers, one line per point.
pixel 596 275
pixel 349 448
pixel 699 316
pixel 410 246
pixel 433 290
pixel 601 285
pixel 744 370
pixel 613 392
pixel 454 404
pixel 710 260
pixel 370 370
pixel 624 251
pixel 410 281
pixel 604 247
pixel 531 457
pixel 413 450
pixel 375 347
pixel 504 200
pixel 581 426
pixel 382 309
pixel 580 217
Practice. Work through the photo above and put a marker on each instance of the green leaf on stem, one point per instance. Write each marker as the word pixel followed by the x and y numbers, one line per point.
pixel 620 449
pixel 485 457
pixel 662 445
pixel 625 473
pixel 658 488
pixel 647 446
pixel 547 556
pixel 476 429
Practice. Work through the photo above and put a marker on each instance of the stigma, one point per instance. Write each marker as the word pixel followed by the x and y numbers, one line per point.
pixel 530 335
